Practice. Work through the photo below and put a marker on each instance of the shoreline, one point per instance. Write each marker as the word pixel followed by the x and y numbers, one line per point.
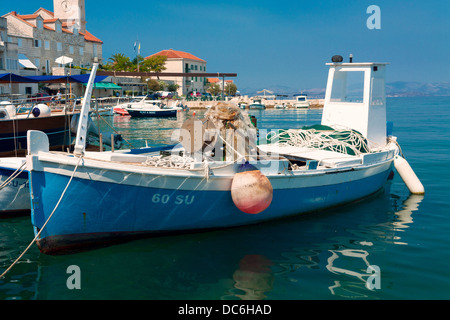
pixel 270 104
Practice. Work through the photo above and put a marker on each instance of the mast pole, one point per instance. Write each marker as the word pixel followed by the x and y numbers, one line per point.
pixel 80 142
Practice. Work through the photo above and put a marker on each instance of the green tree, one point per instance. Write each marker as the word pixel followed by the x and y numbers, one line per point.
pixel 153 64
pixel 134 63
pixel 153 85
pixel 214 89
pixel 230 89
pixel 172 87
pixel 118 62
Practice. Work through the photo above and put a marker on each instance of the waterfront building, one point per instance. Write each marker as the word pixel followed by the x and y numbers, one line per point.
pixel 184 62
pixel 43 36
pixel 9 61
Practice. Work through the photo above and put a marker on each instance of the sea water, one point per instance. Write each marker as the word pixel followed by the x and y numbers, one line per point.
pixel 392 245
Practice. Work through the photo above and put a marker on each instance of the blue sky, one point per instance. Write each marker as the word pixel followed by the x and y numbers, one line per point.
pixel 270 43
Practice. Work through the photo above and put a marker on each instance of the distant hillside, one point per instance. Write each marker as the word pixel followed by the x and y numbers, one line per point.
pixel 414 89
pixel 393 89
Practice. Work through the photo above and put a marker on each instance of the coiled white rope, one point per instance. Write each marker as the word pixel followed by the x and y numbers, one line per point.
pixel 172 161
pixel 46 222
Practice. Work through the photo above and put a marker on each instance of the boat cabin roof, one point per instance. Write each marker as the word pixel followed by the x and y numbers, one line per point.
pixel 361 64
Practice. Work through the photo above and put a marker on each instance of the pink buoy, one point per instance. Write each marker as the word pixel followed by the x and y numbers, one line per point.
pixel 251 191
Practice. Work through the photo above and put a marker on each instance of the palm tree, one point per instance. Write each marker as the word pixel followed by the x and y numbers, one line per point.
pixel 119 62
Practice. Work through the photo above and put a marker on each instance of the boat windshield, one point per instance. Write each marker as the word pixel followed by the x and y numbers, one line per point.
pixel 348 86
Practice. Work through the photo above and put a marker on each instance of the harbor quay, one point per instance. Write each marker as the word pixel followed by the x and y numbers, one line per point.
pixel 314 103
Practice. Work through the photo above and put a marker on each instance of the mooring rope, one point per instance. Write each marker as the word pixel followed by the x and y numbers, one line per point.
pixel 101 117
pixel 13 176
pixel 46 222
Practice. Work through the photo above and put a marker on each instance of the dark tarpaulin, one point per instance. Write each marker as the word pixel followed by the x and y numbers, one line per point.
pixel 81 78
pixel 14 78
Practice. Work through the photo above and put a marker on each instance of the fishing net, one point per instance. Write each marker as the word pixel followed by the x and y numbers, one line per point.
pixel 321 137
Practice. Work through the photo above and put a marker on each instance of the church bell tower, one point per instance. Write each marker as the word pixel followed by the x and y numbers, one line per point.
pixel 71 13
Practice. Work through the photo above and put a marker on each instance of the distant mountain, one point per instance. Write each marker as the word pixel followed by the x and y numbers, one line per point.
pixel 414 89
pixel 393 89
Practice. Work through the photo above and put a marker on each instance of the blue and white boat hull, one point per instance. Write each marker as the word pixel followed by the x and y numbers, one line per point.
pixel 104 204
pixel 14 196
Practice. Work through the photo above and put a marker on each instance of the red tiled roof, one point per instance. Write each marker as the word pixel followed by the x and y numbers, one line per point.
pixel 174 54
pixel 217 80
pixel 90 37
pixel 49 12
pixel 14 14
pixel 50 20
pixel 27 16
pixel 87 36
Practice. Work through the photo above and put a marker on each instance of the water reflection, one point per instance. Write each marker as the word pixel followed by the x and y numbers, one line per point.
pixel 322 256
pixel 254 277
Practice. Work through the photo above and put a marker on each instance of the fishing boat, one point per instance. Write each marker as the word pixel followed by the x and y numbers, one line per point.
pixel 257 104
pixel 218 176
pixel 14 193
pixel 14 127
pixel 301 101
pixel 150 108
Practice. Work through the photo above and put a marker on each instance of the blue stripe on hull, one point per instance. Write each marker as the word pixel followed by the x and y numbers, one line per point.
pixel 98 211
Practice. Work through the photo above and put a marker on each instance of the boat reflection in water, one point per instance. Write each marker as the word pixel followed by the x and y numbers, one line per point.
pixel 297 258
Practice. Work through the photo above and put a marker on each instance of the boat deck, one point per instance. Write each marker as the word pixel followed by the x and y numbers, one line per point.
pixel 325 158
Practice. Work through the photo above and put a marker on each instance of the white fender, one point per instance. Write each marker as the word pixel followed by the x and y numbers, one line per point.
pixel 408 176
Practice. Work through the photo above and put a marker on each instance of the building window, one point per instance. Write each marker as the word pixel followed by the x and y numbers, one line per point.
pixel 47 66
pixel 37 43
pixel 47 45
pixel 58 28
pixel 37 62
pixel 19 42
pixel 81 51
pixel 40 24
pixel 59 46
pixel 11 64
pixel 71 49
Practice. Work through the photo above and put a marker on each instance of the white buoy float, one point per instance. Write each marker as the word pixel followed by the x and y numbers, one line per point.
pixel 408 176
pixel 251 191
pixel 41 110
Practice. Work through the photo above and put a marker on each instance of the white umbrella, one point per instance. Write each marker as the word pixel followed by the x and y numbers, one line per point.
pixel 64 60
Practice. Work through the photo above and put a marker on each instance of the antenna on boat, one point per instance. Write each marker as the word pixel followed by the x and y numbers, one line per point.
pixel 80 142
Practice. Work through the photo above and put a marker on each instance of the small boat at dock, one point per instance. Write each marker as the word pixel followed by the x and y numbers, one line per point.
pixel 150 108
pixel 301 101
pixel 257 104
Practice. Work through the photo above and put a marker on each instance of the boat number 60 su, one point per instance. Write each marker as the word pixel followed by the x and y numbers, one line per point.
pixel 166 198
